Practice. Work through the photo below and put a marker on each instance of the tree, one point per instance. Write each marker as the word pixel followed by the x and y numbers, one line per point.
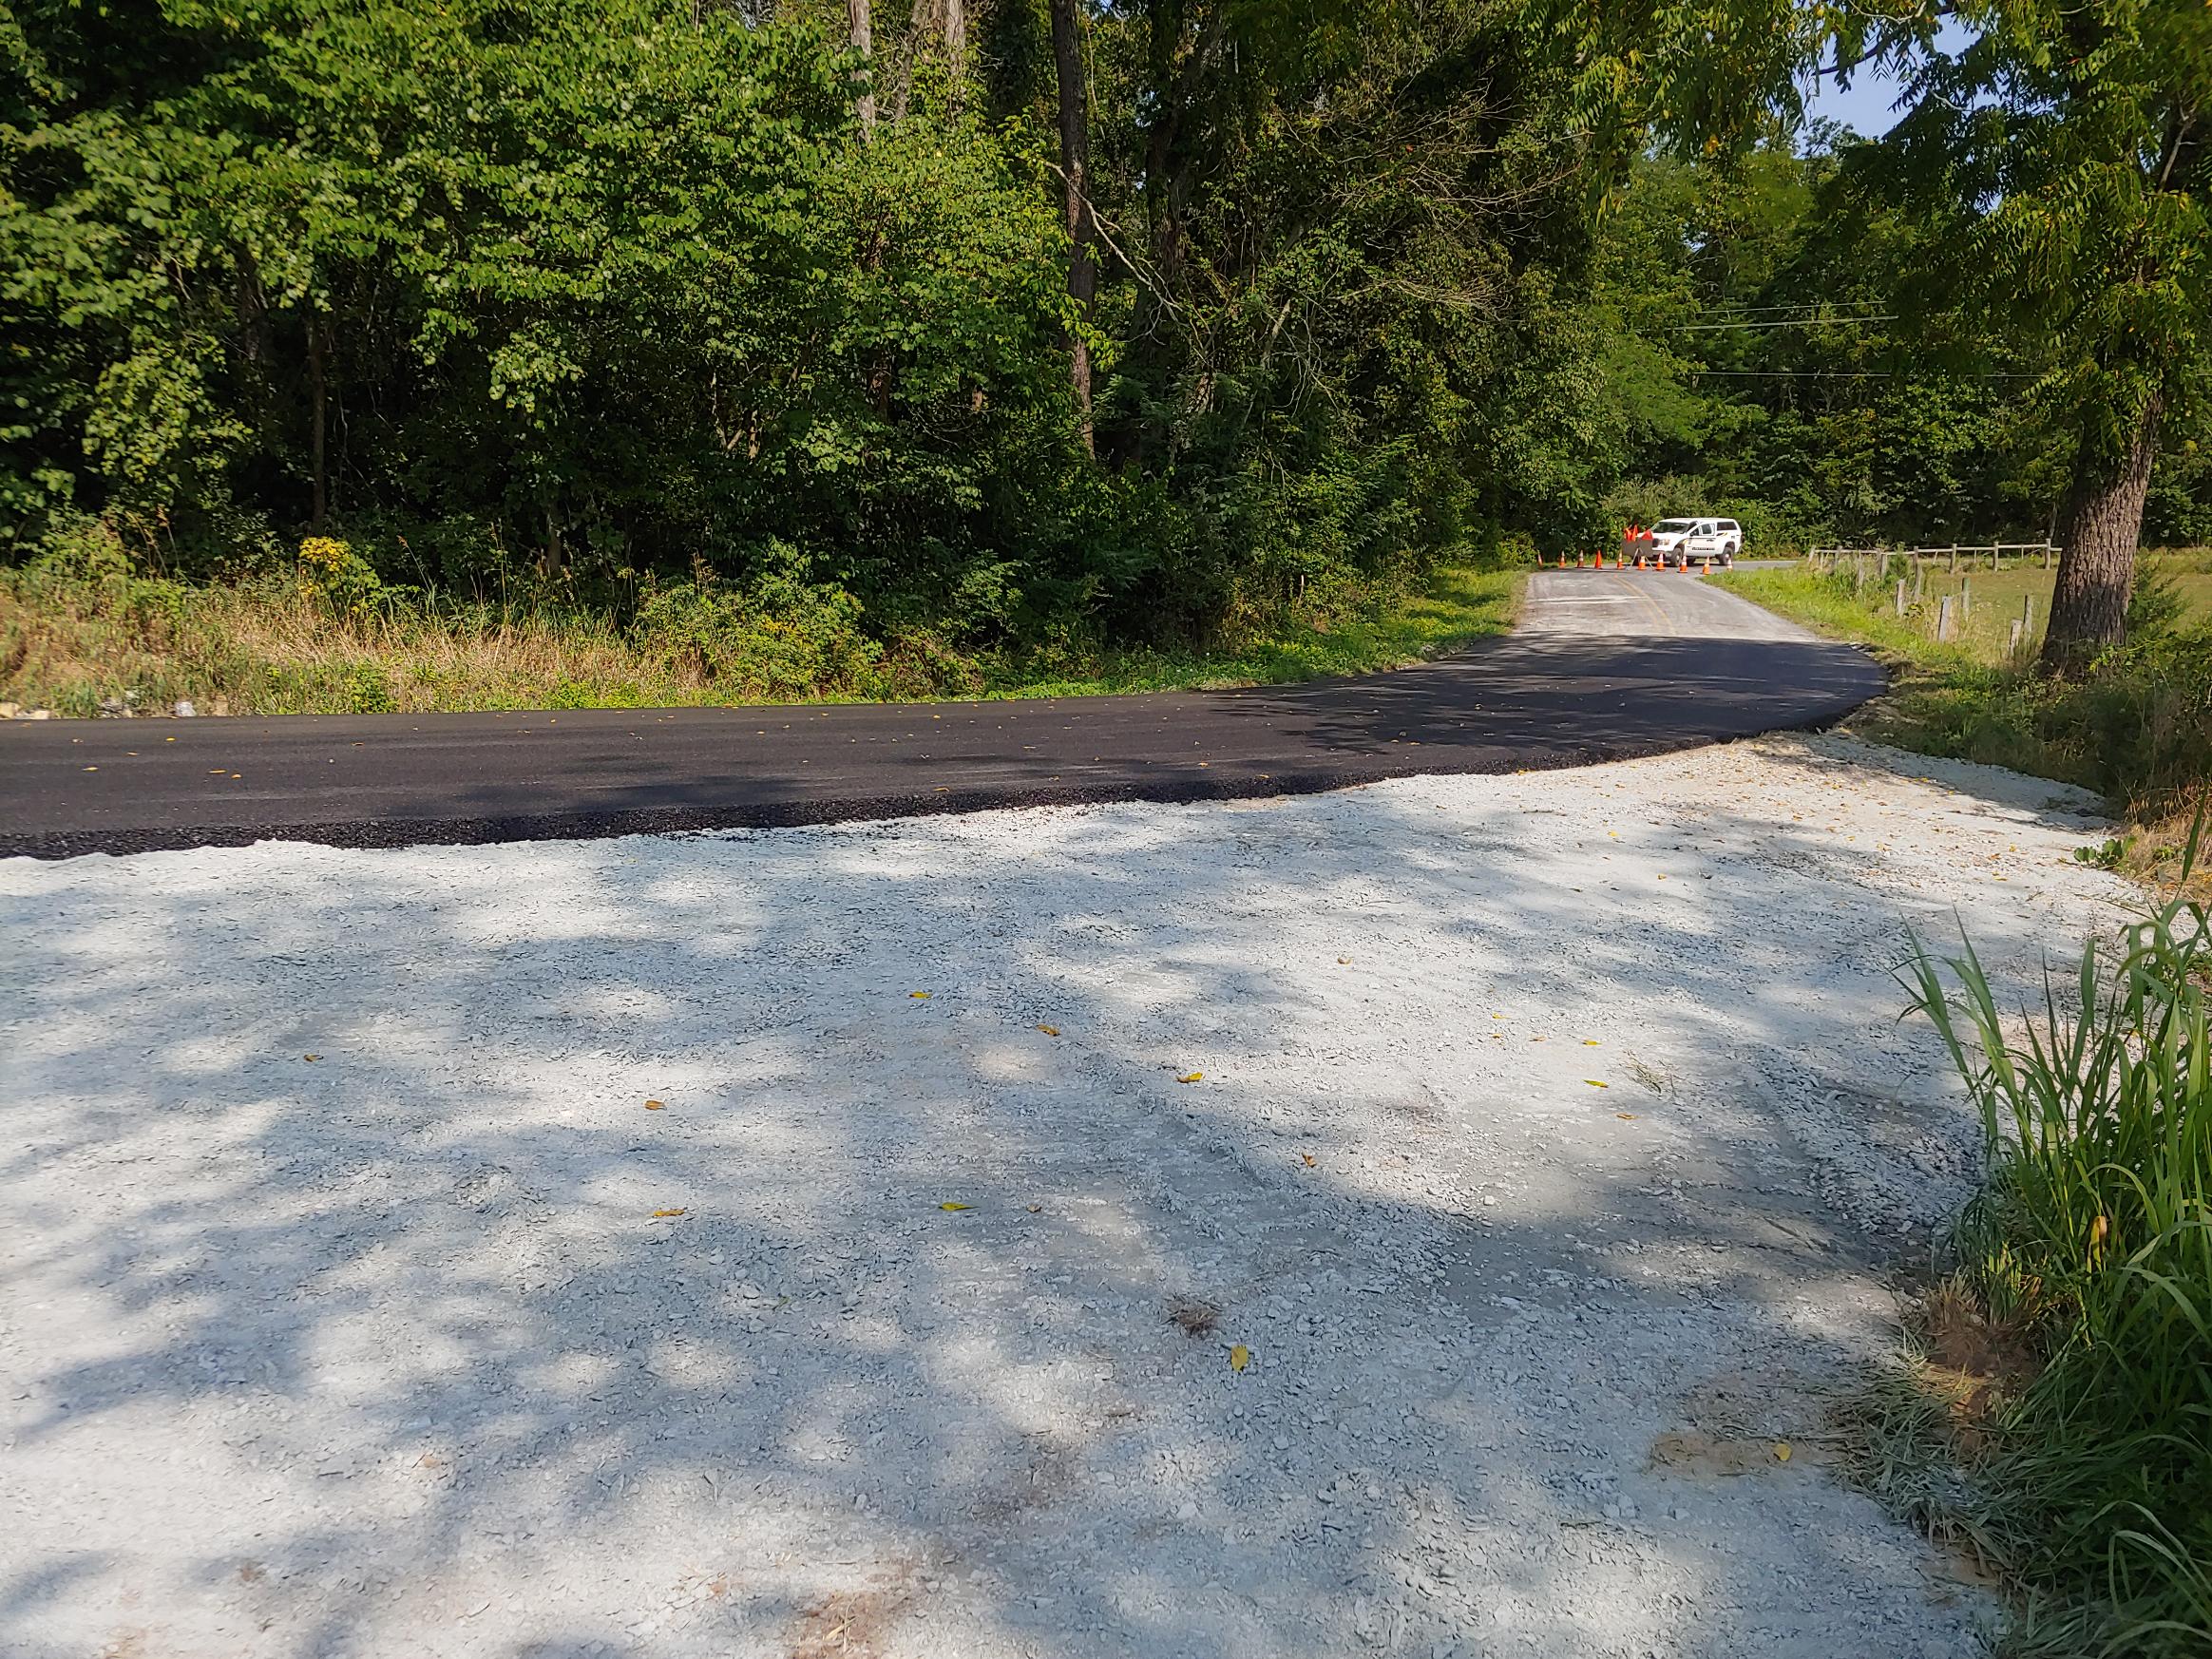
pixel 860 32
pixel 1075 144
pixel 2061 163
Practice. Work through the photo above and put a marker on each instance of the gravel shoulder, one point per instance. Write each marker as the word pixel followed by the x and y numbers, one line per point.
pixel 1550 1138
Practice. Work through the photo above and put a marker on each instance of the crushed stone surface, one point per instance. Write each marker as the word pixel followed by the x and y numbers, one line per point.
pixel 1550 1141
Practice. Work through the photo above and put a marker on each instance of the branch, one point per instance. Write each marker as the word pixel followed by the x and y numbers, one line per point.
pixel 2183 126
pixel 1100 225
pixel 1841 67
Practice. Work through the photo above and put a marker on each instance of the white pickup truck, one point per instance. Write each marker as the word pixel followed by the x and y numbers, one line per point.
pixel 1711 541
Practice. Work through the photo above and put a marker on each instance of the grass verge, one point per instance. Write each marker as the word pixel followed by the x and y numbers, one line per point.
pixel 2055 1419
pixel 80 644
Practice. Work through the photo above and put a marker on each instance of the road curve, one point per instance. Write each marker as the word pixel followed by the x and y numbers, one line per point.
pixel 1605 665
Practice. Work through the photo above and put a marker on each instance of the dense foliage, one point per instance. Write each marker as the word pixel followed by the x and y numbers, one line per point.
pixel 615 300
pixel 643 310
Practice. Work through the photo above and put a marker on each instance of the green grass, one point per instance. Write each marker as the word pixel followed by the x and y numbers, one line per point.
pixel 2089 1473
pixel 1986 602
pixel 70 642
pixel 1458 606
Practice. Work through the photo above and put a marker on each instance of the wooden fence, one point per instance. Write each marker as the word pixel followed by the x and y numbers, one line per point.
pixel 1907 567
pixel 1990 555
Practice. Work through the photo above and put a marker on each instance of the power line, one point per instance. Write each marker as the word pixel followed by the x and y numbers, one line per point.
pixel 1838 374
pixel 1804 322
pixel 1814 305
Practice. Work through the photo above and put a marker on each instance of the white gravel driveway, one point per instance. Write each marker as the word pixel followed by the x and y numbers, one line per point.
pixel 356 1303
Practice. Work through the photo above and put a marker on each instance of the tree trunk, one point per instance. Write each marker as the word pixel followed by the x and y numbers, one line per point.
pixel 1075 135
pixel 955 37
pixel 863 34
pixel 2099 529
pixel 552 558
pixel 318 401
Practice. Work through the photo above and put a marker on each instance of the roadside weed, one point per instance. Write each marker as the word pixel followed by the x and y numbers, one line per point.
pixel 2092 1236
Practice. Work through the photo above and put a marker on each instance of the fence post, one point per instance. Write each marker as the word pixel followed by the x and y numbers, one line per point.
pixel 1965 598
pixel 1946 623
pixel 2046 555
pixel 1955 560
pixel 1920 578
pixel 2028 612
pixel 1900 597
pixel 2019 633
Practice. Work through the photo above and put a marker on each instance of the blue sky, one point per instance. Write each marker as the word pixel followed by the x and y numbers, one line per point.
pixel 1865 106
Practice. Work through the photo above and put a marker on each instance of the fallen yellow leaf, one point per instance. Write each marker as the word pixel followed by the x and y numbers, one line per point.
pixel 1049 1030
pixel 1192 1078
pixel 1596 1084
pixel 919 996
pixel 1343 961
pixel 1308 1157
pixel 312 1056
pixel 655 1106
pixel 1625 1116
pixel 950 1205
pixel 666 1214
pixel 1239 1357
pixel 1782 1451
pixel 1589 1043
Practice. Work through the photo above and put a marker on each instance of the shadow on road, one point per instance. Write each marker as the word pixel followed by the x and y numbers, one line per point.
pixel 385 1351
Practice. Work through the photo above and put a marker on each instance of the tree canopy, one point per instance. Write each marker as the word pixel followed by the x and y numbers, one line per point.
pixel 1015 321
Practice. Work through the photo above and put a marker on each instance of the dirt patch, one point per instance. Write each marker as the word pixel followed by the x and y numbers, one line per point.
pixel 1972 1362
pixel 1742 1424
pixel 1688 1452
pixel 855 1624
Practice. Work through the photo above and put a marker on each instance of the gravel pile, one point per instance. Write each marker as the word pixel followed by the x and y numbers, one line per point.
pixel 1416 1220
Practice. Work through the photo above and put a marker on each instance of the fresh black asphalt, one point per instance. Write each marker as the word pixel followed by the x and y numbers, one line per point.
pixel 1628 665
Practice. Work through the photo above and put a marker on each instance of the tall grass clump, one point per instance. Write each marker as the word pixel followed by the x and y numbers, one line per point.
pixel 2092 1240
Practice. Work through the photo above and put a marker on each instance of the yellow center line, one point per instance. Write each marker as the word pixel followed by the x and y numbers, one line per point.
pixel 1659 616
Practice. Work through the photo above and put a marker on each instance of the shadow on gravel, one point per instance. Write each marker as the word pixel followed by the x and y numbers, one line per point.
pixel 387 1350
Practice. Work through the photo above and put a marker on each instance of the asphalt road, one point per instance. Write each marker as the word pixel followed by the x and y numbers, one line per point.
pixel 1606 665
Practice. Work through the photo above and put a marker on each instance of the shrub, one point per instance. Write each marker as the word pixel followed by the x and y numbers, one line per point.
pixel 781 635
pixel 333 572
